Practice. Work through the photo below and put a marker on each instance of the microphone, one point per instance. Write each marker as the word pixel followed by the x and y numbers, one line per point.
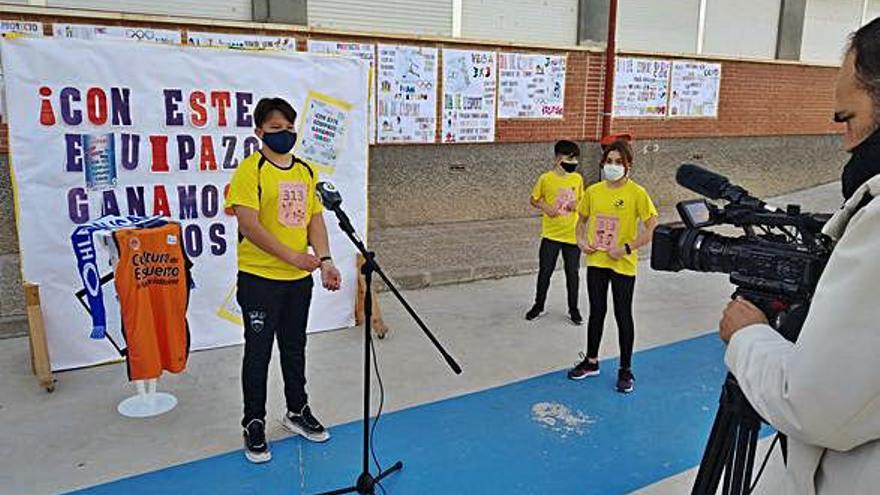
pixel 330 196
pixel 332 200
pixel 716 186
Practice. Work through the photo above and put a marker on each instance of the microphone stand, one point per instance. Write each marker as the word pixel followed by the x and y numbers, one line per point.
pixel 366 482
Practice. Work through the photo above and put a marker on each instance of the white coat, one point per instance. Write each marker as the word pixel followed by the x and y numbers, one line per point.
pixel 824 391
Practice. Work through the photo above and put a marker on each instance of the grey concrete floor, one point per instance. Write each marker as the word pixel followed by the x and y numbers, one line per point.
pixel 74 437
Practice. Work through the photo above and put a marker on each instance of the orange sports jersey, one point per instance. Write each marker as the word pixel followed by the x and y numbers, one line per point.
pixel 153 281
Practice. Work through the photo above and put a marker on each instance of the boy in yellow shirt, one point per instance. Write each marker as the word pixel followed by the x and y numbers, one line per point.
pixel 279 216
pixel 557 194
pixel 608 231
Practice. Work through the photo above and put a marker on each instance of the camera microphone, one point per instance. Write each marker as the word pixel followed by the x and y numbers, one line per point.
pixel 716 186
pixel 330 196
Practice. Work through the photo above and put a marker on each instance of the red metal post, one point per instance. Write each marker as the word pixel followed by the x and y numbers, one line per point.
pixel 610 55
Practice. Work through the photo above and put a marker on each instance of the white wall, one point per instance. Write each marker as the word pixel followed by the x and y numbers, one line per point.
pixel 426 17
pixel 215 9
pixel 654 25
pixel 827 24
pixel 743 28
pixel 536 21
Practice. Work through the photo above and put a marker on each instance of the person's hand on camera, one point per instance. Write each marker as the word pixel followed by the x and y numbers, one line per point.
pixel 616 252
pixel 330 276
pixel 739 314
pixel 306 262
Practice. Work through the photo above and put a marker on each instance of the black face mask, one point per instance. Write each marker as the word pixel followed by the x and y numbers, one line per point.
pixel 864 164
pixel 569 167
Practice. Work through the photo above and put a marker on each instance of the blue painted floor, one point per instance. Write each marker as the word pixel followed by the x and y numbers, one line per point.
pixel 545 435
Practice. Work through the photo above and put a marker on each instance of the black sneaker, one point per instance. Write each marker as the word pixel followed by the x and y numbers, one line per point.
pixel 584 369
pixel 575 317
pixel 535 313
pixel 625 380
pixel 306 425
pixel 255 447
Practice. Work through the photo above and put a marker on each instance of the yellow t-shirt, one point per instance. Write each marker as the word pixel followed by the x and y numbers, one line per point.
pixel 565 192
pixel 614 216
pixel 286 200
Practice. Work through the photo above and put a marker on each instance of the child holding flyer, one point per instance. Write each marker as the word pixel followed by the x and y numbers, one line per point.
pixel 557 194
pixel 608 232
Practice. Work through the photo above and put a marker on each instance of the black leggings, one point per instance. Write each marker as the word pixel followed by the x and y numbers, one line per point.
pixel 547 256
pixel 622 288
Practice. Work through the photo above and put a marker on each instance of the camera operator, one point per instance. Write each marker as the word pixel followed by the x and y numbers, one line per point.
pixel 824 391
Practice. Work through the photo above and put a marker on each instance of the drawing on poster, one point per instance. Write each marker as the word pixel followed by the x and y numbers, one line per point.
pixel 469 82
pixel 407 106
pixel 695 89
pixel 532 86
pixel 241 41
pixel 641 87
pixel 94 32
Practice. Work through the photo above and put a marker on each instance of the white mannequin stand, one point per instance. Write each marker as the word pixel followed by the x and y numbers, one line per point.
pixel 148 402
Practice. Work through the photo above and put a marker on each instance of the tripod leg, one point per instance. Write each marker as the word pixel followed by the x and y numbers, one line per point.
pixel 715 454
pixel 740 456
pixel 750 462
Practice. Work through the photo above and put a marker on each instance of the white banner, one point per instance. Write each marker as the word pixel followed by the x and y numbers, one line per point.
pixel 168 126
pixel 469 79
pixel 240 41
pixel 695 88
pixel 532 86
pixel 363 51
pixel 641 87
pixel 407 94
pixel 94 32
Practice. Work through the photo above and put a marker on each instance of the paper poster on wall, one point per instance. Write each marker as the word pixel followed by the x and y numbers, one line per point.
pixel 407 106
pixel 469 87
pixel 531 86
pixel 107 140
pixel 363 51
pixel 321 131
pixel 695 89
pixel 93 32
pixel 240 41
pixel 20 28
pixel 26 28
pixel 641 87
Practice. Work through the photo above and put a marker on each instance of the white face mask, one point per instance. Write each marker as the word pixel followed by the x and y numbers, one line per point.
pixel 613 172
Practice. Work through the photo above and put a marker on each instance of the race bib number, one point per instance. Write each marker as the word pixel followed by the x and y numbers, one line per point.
pixel 565 201
pixel 607 228
pixel 292 204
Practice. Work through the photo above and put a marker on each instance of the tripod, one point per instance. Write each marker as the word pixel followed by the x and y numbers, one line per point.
pixel 366 482
pixel 732 445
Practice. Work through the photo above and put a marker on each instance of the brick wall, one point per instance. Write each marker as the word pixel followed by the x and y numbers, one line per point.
pixel 757 98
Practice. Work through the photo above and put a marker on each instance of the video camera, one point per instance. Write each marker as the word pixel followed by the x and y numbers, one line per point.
pixel 776 264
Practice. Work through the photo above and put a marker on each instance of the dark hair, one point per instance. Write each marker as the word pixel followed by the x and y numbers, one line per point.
pixel 865 45
pixel 621 146
pixel 268 105
pixel 566 148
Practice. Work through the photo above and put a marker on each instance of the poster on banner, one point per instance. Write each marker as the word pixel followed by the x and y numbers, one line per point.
pixel 407 78
pixel 531 86
pixel 322 129
pixel 166 145
pixel 94 32
pixel 240 41
pixel 695 89
pixel 641 87
pixel 20 28
pixel 469 82
pixel 363 51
